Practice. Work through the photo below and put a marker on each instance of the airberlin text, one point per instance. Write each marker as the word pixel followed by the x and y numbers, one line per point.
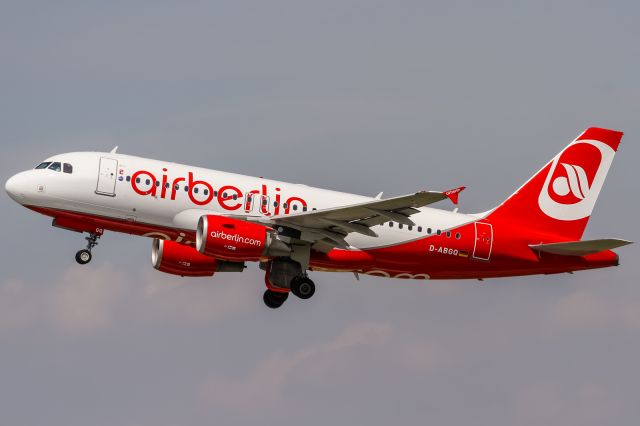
pixel 202 193
pixel 236 238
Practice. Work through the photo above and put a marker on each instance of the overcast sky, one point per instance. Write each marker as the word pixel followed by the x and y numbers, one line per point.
pixel 359 96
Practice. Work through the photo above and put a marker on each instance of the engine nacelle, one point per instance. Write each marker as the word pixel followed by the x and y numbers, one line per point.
pixel 177 259
pixel 237 240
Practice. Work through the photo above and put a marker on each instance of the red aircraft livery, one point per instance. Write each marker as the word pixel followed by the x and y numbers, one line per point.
pixel 204 221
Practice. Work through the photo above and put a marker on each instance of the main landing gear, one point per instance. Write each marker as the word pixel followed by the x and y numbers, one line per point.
pixel 275 296
pixel 283 276
pixel 303 287
pixel 275 299
pixel 84 256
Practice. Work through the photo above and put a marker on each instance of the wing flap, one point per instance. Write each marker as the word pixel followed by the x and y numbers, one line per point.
pixel 580 248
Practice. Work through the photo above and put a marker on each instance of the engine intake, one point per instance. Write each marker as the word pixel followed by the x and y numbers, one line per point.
pixel 177 259
pixel 237 240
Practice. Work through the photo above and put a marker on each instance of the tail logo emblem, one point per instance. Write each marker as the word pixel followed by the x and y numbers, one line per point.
pixel 574 180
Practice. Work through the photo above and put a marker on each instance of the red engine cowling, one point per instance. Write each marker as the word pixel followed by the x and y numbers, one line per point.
pixel 232 239
pixel 177 259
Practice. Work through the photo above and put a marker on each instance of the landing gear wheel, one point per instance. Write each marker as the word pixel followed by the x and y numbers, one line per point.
pixel 83 257
pixel 274 299
pixel 303 287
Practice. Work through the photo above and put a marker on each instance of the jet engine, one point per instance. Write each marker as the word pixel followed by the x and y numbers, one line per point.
pixel 237 240
pixel 177 259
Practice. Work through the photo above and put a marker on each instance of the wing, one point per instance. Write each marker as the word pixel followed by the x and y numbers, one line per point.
pixel 329 227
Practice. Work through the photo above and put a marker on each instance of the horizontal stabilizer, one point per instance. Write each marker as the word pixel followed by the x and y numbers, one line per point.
pixel 580 248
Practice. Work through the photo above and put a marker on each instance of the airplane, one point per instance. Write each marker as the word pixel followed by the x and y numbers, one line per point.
pixel 204 221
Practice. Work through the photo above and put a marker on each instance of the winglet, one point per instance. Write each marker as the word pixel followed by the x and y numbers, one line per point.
pixel 453 194
pixel 114 150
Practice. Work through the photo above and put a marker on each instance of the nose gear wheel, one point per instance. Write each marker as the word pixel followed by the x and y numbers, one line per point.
pixel 84 256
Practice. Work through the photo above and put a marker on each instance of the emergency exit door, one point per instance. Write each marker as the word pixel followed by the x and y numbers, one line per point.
pixel 483 242
pixel 107 176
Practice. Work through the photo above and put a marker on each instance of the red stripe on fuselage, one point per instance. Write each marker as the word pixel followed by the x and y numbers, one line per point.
pixel 435 256
pixel 125 226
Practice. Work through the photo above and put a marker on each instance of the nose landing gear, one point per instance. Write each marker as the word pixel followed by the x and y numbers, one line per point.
pixel 84 256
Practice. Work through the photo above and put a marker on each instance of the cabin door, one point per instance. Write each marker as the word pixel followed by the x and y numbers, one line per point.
pixel 107 176
pixel 484 241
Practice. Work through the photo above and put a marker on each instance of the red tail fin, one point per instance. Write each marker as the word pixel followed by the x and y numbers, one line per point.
pixel 559 199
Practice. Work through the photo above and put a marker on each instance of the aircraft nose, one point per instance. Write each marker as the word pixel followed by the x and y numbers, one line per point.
pixel 15 187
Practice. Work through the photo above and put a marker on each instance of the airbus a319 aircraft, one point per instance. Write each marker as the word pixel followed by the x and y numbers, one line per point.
pixel 205 221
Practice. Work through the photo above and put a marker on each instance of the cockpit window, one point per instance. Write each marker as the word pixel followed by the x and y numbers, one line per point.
pixel 55 166
pixel 67 168
pixel 43 165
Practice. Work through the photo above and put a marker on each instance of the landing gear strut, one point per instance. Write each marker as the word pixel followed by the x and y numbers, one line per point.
pixel 84 256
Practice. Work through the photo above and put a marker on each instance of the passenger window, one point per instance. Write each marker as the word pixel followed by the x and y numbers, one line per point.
pixel 419 228
pixel 400 226
pixel 177 187
pixel 166 185
pixel 67 168
pixel 235 197
pixel 128 178
pixel 429 231
pixel 295 207
pixel 410 228
pixel 195 190
pixel 390 224
pixel 458 235
pixel 304 209
pixel 215 193
pixel 186 189
pixel 206 192
pixel 157 183
pixel 43 165
pixel 148 182
pixel 137 180
pixel 439 232
pixel 56 167
pixel 448 234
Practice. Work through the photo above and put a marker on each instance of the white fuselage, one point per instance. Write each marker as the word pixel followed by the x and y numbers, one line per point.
pixel 153 192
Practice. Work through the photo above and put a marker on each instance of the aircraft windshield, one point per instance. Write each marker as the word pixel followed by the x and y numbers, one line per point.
pixel 55 167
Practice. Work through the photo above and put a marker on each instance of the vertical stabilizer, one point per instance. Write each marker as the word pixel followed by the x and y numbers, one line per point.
pixel 559 199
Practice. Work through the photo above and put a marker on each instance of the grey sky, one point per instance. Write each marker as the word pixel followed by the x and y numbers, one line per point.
pixel 360 96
